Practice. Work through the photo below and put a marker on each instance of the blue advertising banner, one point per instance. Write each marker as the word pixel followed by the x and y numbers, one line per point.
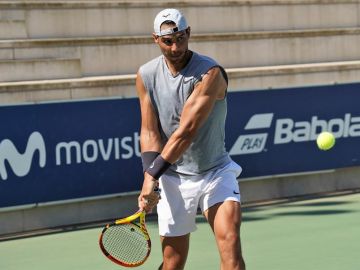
pixel 274 132
pixel 68 150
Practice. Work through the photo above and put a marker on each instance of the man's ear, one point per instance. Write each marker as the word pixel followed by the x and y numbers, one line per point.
pixel 155 37
pixel 188 30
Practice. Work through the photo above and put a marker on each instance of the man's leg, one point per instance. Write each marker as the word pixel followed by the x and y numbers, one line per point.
pixel 175 250
pixel 225 220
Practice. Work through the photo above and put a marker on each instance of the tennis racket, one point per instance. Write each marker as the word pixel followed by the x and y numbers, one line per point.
pixel 126 242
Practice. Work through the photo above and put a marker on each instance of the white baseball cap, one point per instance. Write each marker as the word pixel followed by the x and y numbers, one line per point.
pixel 169 14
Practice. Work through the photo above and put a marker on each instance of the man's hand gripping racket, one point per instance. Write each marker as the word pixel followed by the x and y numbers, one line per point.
pixel 149 195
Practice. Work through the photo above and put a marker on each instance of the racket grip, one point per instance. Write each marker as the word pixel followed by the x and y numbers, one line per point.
pixel 157 190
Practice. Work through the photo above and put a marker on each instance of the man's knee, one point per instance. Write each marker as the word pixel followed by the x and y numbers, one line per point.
pixel 175 251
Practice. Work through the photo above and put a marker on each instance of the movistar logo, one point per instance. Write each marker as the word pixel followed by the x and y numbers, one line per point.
pixel 20 163
pixel 253 143
pixel 287 130
pixel 64 153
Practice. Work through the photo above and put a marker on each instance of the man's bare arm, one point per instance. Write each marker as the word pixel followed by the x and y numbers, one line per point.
pixel 195 112
pixel 150 139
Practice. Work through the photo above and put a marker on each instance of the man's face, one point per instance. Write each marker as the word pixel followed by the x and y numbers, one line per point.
pixel 173 46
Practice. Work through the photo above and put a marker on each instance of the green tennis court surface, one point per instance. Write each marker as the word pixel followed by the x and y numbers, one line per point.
pixel 314 234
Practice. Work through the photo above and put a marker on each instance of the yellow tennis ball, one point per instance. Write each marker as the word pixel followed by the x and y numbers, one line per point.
pixel 325 140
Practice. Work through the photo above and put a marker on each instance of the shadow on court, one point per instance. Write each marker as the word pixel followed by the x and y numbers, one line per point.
pixel 319 204
pixel 304 208
pixel 315 213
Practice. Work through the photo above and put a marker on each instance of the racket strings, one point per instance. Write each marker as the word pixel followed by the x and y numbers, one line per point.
pixel 126 243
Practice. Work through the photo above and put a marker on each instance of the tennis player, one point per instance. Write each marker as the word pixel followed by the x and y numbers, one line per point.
pixel 183 109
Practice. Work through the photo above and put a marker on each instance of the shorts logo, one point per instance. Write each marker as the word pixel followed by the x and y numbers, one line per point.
pixel 21 163
pixel 253 143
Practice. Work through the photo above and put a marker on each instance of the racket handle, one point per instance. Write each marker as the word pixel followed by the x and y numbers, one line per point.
pixel 157 190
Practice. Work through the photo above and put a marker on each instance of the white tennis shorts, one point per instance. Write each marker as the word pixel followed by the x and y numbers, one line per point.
pixel 180 197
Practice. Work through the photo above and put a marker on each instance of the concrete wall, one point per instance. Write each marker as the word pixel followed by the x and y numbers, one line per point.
pixel 293 75
pixel 124 55
pixel 105 39
pixel 39 69
pixel 277 187
pixel 254 78
pixel 44 19
pixel 40 216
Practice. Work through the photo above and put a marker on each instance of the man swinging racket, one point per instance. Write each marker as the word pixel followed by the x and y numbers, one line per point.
pixel 183 109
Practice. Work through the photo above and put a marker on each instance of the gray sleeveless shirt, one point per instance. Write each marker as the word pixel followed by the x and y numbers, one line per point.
pixel 168 95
